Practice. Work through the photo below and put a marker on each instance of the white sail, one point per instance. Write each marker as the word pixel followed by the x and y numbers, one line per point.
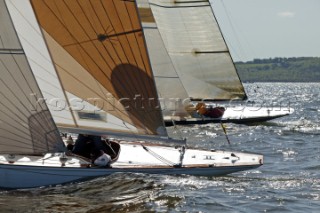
pixel 172 93
pixel 25 127
pixel 196 48
pixel 97 63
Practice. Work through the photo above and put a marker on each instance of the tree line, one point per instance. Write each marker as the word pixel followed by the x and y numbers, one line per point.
pixel 299 69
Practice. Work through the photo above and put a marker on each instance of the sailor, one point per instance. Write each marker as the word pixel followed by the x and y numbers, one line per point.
pixel 215 112
pixel 201 109
pixel 88 145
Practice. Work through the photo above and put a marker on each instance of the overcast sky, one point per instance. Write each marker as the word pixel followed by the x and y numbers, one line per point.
pixel 269 28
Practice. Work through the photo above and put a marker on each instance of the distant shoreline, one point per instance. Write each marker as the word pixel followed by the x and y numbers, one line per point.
pixel 301 69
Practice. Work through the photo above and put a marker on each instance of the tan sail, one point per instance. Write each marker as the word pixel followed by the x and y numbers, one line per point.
pixel 100 72
pixel 25 126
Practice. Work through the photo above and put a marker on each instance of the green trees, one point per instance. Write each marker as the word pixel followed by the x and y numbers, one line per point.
pixel 300 69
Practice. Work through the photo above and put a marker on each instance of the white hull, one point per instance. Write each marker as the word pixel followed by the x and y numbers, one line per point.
pixel 234 115
pixel 35 171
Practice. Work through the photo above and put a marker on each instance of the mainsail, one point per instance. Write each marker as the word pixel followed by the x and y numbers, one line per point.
pixel 197 52
pixel 24 127
pixel 90 61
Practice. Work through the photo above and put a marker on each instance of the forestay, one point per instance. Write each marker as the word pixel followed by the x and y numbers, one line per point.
pixel 90 61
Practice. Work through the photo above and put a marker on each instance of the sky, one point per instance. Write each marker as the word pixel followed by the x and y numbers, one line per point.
pixel 269 28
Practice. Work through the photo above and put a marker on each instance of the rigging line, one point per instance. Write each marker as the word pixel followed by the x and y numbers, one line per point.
pixel 177 129
pixel 225 132
pixel 157 156
pixel 232 27
pixel 230 56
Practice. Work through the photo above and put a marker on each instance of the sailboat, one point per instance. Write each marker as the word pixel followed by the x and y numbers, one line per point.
pixel 82 67
pixel 194 72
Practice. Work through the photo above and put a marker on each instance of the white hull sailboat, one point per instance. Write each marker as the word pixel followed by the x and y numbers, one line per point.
pixel 192 64
pixel 247 115
pixel 20 171
pixel 83 66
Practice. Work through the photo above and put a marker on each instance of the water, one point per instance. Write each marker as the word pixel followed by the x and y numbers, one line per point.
pixel 289 181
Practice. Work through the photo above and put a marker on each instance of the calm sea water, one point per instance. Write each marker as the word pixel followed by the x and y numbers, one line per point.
pixel 289 181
